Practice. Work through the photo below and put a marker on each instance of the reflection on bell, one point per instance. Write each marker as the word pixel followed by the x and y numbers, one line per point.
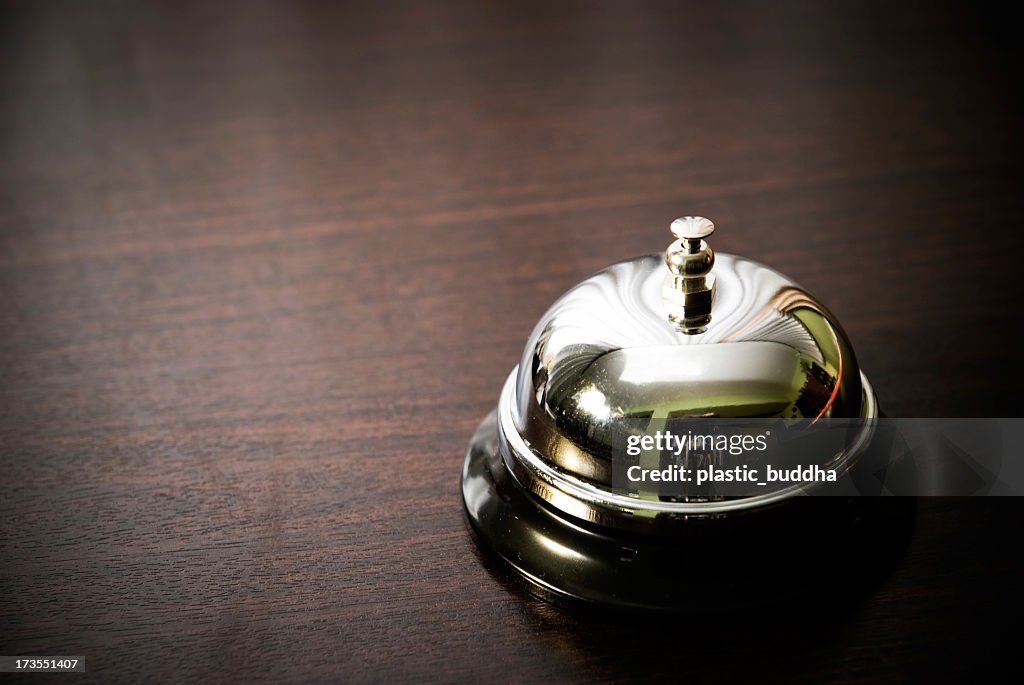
pixel 687 333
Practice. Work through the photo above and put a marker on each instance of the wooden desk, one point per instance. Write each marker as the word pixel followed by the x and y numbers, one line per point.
pixel 263 268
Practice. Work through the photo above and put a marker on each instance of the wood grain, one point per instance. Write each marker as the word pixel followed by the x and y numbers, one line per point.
pixel 263 267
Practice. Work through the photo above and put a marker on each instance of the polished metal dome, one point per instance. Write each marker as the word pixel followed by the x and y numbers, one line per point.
pixel 607 350
pixel 687 333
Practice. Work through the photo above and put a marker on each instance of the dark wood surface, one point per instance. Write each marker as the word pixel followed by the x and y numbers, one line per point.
pixel 263 268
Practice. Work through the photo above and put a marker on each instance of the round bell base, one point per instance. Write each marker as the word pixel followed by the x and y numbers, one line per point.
pixel 807 549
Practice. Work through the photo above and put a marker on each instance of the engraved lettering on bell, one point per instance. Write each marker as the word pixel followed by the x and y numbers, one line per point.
pixel 689 291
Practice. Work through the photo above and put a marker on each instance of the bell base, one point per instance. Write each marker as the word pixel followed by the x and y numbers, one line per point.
pixel 806 549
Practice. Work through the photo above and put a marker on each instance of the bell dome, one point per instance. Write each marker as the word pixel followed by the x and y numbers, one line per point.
pixel 610 350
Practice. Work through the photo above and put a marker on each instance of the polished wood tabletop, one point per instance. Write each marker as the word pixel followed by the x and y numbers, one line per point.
pixel 265 266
